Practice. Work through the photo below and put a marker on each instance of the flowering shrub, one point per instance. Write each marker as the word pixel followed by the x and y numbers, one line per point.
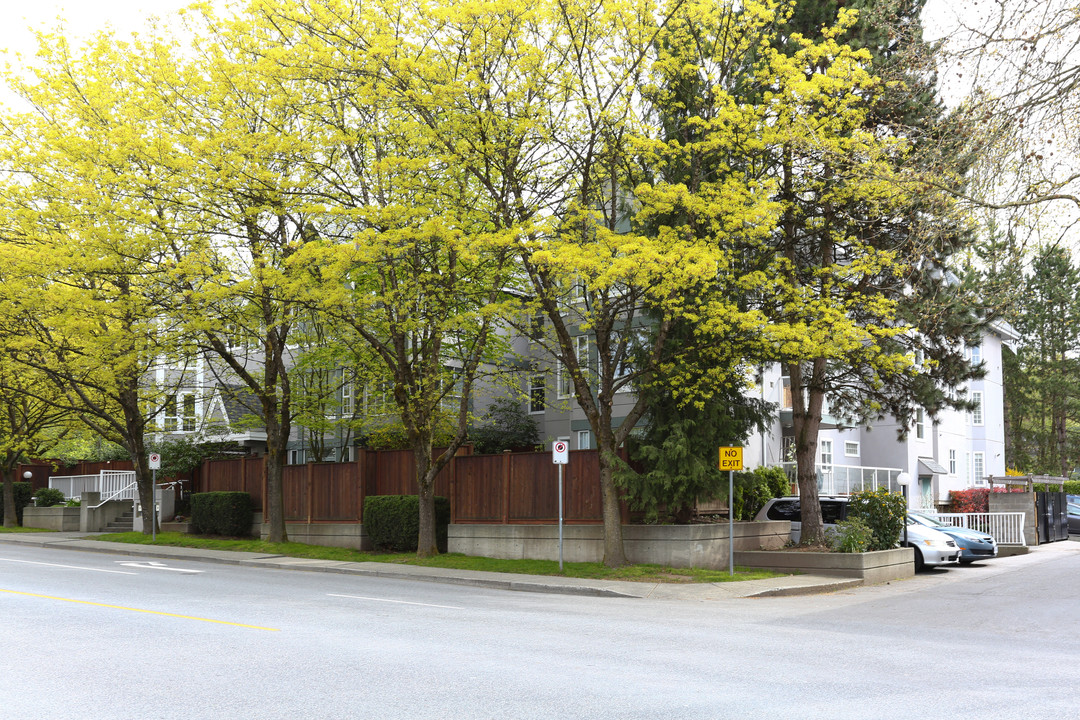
pixel 852 536
pixel 975 500
pixel 884 514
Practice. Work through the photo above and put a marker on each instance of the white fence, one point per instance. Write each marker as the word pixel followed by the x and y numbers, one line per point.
pixel 849 479
pixel 1006 527
pixel 112 484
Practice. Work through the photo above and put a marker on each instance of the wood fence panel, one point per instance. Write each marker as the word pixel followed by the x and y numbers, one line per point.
pixel 252 479
pixel 478 494
pixel 583 500
pixel 534 488
pixel 294 492
pixel 334 493
pixel 395 473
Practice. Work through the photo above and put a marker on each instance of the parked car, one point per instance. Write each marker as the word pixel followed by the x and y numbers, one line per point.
pixel 833 510
pixel 974 545
pixel 932 548
pixel 1073 509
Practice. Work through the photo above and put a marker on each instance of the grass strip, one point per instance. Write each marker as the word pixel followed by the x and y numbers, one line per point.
pixel 454 561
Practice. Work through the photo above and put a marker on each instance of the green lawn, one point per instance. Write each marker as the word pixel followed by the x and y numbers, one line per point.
pixel 640 573
pixel 22 530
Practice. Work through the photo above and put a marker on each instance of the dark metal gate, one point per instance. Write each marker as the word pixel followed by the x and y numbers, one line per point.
pixel 1051 511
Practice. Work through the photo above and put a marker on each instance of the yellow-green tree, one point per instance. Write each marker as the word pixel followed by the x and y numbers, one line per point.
pixel 226 178
pixel 532 115
pixel 410 266
pixel 84 265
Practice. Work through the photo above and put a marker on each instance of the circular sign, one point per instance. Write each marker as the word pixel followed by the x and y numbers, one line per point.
pixel 560 447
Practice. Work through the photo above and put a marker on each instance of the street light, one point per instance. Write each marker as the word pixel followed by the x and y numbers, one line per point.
pixel 903 480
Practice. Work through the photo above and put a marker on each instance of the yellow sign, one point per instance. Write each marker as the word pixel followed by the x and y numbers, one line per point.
pixel 731 458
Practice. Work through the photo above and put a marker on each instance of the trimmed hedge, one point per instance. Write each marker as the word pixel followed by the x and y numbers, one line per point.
pixel 221 513
pixel 393 522
pixel 23 497
pixel 47 497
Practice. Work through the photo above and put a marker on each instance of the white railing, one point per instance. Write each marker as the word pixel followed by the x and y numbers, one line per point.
pixel 73 486
pixel 849 479
pixel 1006 527
pixel 112 484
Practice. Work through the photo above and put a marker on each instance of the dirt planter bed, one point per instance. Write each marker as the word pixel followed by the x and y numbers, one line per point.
pixel 871 567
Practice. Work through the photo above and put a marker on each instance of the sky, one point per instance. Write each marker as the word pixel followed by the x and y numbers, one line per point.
pixel 82 17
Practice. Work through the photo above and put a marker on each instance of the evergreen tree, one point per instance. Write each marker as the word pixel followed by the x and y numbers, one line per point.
pixel 863 252
pixel 1042 388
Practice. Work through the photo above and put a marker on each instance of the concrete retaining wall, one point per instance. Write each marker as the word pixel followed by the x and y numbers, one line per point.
pixel 346 535
pixel 701 546
pixel 872 567
pixel 60 518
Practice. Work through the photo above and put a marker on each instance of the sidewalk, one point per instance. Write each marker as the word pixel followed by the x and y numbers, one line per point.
pixel 772 587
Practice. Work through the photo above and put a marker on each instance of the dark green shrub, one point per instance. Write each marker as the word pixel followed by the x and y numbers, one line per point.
pixel 1070 487
pixel 393 522
pixel 23 497
pixel 47 497
pixel 221 513
pixel 755 488
pixel 852 536
pixel 507 427
pixel 884 512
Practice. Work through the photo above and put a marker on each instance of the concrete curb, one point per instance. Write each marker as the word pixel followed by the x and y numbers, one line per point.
pixel 778 587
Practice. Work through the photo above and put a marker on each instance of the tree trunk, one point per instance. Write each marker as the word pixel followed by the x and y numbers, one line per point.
pixel 275 497
pixel 614 552
pixel 10 517
pixel 806 422
pixel 426 543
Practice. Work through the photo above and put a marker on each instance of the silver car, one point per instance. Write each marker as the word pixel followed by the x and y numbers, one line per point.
pixel 933 548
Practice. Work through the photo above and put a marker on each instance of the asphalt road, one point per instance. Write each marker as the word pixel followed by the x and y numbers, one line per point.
pixel 91 636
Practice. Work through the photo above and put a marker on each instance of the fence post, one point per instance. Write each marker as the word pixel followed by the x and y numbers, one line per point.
pixel 361 460
pixel 506 487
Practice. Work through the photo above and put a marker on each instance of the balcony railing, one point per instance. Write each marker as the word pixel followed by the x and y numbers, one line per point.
pixel 848 479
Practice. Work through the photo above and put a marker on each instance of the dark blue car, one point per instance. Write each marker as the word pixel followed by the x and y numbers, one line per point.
pixel 974 545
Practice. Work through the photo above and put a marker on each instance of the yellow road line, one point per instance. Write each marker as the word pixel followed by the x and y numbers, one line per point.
pixel 140 610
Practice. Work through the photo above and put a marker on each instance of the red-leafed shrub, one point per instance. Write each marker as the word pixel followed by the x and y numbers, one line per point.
pixel 975 500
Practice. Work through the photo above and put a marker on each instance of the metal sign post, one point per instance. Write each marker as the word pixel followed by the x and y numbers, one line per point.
pixel 155 464
pixel 731 460
pixel 560 455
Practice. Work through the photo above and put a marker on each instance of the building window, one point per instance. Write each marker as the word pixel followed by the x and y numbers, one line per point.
pixel 537 389
pixel 584 440
pixel 952 462
pixel 581 350
pixel 179 412
pixel 296 457
pixel 826 452
pixel 977 408
pixel 347 405
pixel 920 424
pixel 976 355
pixel 851 448
pixel 562 379
pixel 978 468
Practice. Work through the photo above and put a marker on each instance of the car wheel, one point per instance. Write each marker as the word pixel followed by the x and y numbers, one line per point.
pixel 966 562
pixel 918 559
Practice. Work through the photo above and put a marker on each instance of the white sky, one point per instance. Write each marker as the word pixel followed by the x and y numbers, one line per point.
pixel 81 16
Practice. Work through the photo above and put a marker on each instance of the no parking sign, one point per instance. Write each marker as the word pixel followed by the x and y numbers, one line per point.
pixel 560 452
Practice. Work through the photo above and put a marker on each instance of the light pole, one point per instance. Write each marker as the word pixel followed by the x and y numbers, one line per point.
pixel 903 480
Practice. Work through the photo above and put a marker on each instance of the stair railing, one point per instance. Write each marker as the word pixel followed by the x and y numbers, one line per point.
pixel 112 482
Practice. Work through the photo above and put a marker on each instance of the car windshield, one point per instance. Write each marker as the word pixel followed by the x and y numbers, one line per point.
pixel 925 520
pixel 1074 509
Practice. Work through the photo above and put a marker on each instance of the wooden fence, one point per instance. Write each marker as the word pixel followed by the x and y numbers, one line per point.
pixel 510 488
